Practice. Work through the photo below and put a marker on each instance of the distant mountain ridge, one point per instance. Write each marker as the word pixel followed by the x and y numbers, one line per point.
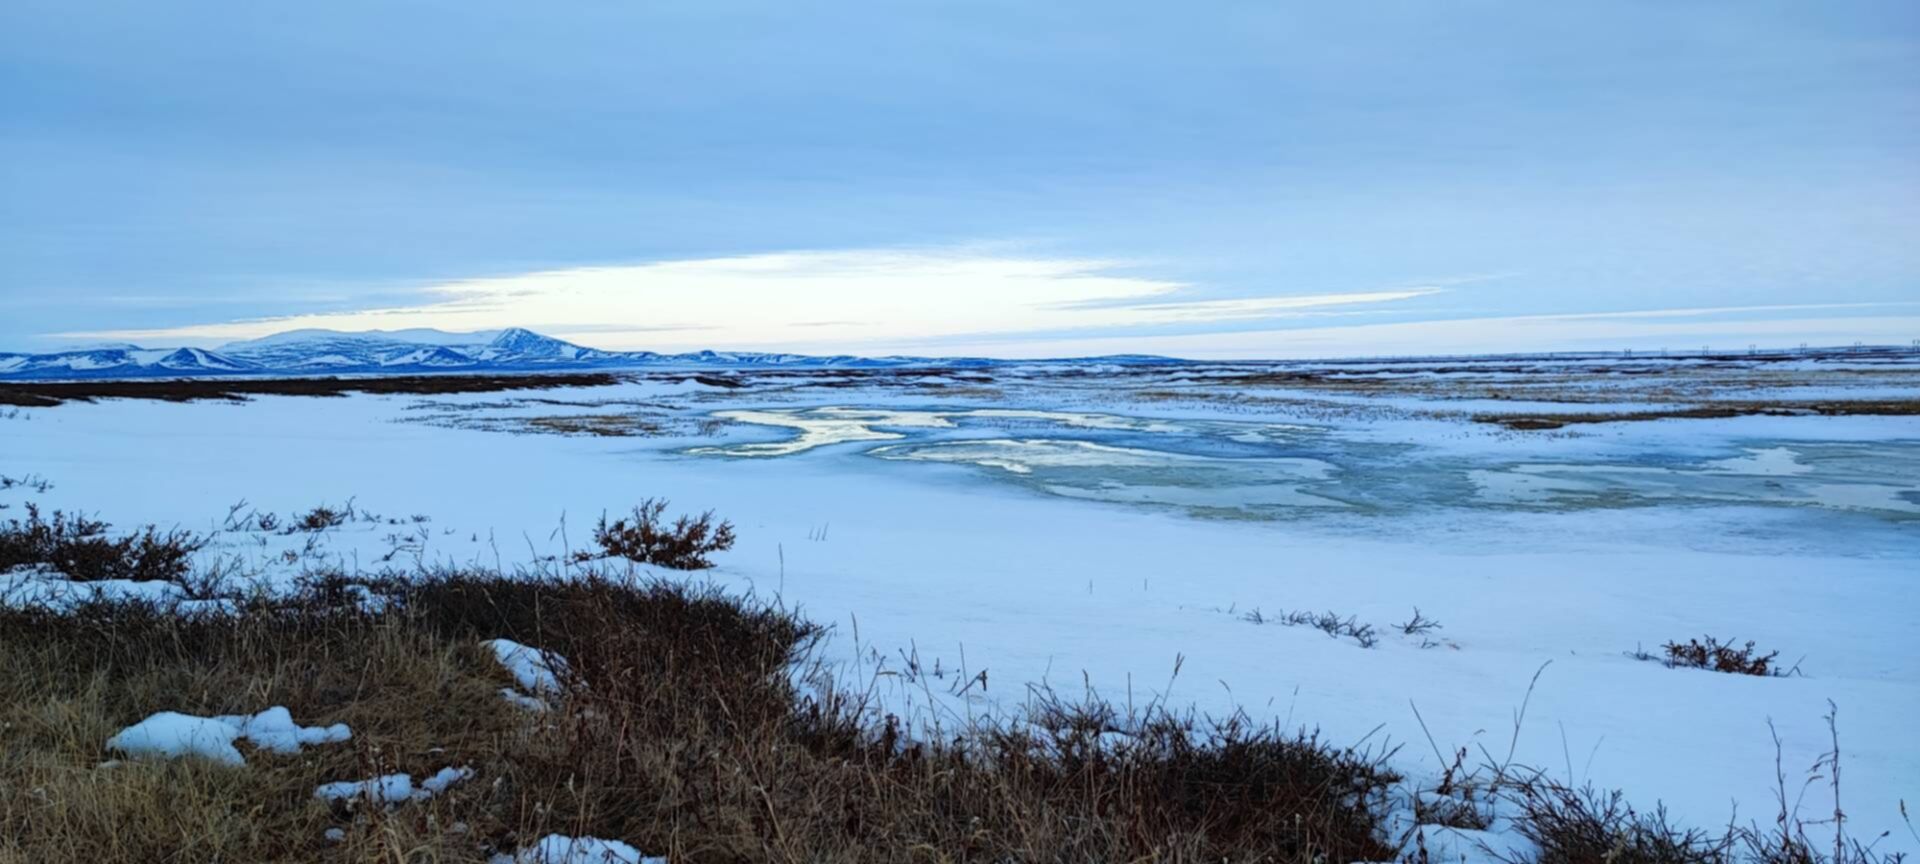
pixel 326 352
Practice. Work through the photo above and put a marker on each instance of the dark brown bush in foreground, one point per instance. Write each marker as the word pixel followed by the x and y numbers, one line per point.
pixel 80 548
pixel 644 538
pixel 1587 826
pixel 1584 826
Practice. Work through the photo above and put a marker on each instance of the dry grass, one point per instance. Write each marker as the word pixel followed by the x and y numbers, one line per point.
pixel 1715 411
pixel 683 732
pixel 683 735
pixel 72 681
pixel 596 425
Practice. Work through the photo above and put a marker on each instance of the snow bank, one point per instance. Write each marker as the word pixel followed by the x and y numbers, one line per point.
pixel 560 849
pixel 172 735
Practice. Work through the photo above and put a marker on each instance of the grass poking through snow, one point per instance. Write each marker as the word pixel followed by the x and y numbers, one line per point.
pixel 681 732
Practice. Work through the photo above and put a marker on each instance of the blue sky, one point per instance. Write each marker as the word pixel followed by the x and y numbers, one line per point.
pixel 1014 178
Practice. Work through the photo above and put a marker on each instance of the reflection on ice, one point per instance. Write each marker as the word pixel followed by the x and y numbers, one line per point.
pixel 1772 461
pixel 1842 478
pixel 823 427
pixel 1271 469
pixel 1023 456
pixel 1103 472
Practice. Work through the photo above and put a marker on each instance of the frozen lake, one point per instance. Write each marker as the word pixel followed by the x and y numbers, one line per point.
pixel 1241 469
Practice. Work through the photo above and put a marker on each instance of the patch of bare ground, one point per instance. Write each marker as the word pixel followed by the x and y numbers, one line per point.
pixel 1718 410
pixel 48 394
pixel 637 423
pixel 600 425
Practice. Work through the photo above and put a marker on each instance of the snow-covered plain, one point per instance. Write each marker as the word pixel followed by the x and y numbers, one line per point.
pixel 1102 530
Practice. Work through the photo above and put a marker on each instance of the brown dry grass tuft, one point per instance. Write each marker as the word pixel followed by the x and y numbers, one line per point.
pixel 682 733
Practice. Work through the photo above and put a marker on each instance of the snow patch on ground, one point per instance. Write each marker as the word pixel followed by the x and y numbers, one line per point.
pixel 393 788
pixel 535 670
pixel 172 735
pixel 560 849
pixel 522 701
pixel 41 588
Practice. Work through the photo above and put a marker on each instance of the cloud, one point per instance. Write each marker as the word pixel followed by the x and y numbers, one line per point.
pixel 852 300
pixel 1721 328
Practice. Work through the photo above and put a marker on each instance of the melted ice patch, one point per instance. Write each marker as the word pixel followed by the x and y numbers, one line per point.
pixel 1768 462
pixel 1023 456
pixel 822 427
pixel 825 427
pixel 1129 475
pixel 1834 478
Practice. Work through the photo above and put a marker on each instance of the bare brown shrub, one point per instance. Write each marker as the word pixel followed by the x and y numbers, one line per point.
pixel 82 550
pixel 644 538
pixel 1710 653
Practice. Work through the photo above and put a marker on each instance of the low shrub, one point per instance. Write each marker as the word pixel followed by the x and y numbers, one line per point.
pixel 81 549
pixel 30 482
pixel 1418 625
pixel 1583 826
pixel 320 518
pixel 1330 623
pixel 1710 653
pixel 644 539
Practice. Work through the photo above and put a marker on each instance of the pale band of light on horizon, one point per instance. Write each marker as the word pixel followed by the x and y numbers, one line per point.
pixel 952 303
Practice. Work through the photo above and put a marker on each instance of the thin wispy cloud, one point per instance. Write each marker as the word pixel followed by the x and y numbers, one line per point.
pixel 1689 329
pixel 856 298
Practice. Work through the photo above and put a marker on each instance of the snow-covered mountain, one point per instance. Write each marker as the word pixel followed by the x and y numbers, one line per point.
pixel 121 362
pixel 321 352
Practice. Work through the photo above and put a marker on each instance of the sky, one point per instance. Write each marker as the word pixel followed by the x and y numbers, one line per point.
pixel 1205 179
